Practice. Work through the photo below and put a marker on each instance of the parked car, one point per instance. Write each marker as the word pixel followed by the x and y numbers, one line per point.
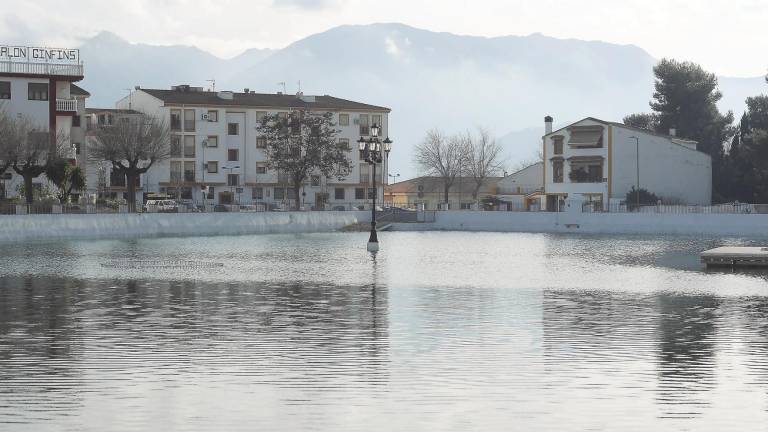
pixel 161 206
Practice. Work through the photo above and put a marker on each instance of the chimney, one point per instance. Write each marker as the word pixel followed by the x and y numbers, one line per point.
pixel 547 125
pixel 672 132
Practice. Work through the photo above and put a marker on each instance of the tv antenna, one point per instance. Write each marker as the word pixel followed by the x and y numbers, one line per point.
pixel 282 83
pixel 299 86
pixel 213 84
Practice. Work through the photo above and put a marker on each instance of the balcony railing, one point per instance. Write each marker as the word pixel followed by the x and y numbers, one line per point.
pixel 66 105
pixel 75 70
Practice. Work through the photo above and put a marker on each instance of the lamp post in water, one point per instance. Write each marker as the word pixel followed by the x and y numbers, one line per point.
pixel 372 151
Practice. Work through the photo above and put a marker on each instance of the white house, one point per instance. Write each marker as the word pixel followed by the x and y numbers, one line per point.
pixel 217 149
pixel 523 187
pixel 37 83
pixel 600 161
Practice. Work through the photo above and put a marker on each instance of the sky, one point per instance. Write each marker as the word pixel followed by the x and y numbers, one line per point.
pixel 728 37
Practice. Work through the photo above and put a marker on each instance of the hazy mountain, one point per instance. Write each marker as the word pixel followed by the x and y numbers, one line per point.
pixel 428 79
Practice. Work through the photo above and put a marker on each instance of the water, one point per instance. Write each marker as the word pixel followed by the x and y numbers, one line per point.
pixel 441 331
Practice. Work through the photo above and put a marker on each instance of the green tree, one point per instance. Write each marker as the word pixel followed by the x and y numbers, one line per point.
pixel 685 99
pixel 66 177
pixel 647 121
pixel 747 161
pixel 301 144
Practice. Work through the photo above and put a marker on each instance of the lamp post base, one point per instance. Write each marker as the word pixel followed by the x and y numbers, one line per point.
pixel 373 246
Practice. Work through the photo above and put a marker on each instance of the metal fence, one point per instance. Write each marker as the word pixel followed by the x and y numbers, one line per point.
pixel 169 206
pixel 731 208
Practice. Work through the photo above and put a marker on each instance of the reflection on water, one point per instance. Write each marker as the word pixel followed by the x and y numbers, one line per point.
pixel 441 331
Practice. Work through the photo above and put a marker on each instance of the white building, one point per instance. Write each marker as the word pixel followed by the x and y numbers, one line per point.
pixel 523 187
pixel 600 161
pixel 216 147
pixel 37 83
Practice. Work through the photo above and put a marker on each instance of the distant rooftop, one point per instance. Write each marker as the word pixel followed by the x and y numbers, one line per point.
pixel 110 110
pixel 427 184
pixel 76 90
pixel 197 96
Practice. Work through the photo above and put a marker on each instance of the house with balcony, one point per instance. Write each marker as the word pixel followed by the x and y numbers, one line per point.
pixel 218 156
pixel 599 162
pixel 39 83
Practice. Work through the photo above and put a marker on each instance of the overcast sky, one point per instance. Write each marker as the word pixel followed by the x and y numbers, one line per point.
pixel 729 37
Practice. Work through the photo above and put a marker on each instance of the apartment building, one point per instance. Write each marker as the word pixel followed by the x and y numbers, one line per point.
pixel 38 83
pixel 599 161
pixel 218 155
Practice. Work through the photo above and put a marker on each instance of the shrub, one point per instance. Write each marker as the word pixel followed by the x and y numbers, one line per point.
pixel 646 198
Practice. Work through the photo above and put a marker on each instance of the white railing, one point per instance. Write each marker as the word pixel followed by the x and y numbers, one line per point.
pixel 75 70
pixel 66 105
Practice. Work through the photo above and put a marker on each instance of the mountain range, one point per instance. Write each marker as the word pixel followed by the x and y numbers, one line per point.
pixel 429 79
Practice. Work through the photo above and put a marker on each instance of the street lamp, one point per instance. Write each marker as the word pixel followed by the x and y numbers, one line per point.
pixel 637 171
pixel 373 149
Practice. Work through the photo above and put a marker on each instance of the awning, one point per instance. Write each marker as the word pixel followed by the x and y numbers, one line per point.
pixel 586 159
pixel 586 136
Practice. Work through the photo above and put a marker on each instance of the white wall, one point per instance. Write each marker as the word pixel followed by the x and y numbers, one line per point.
pixel 597 223
pixel 667 169
pixel 19 103
pixel 527 179
pixel 93 226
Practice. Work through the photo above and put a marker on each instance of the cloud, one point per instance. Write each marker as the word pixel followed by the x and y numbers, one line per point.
pixel 305 4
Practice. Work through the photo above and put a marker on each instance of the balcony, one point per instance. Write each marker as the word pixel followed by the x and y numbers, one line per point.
pixel 66 105
pixel 46 69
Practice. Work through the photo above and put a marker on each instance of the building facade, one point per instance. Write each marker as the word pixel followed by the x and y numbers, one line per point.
pixel 218 155
pixel 522 189
pixel 428 193
pixel 598 161
pixel 38 83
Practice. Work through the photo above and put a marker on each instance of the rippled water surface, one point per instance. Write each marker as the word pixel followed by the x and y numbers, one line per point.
pixel 440 331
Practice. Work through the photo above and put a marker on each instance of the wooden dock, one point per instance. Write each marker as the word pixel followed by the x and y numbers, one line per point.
pixel 736 256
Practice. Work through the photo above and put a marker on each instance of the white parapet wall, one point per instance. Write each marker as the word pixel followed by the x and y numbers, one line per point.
pixel 97 226
pixel 751 225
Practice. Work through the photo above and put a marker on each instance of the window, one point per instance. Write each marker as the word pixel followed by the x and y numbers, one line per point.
pixel 116 179
pixel 233 179
pixel 359 193
pixel 343 119
pixel 210 192
pixel 37 91
pixel 558 143
pixel 189 146
pixel 186 193
pixel 586 136
pixel 176 171
pixel 279 193
pixel 314 181
pixel 371 193
pixel 557 171
pixel 233 155
pixel 189 120
pixel 213 116
pixel 175 146
pixel 213 141
pixel 189 171
pixel 77 148
pixel 466 206
pixel 291 193
pixel 364 126
pixel 5 89
pixel 344 144
pixel 338 193
pixel 261 142
pixel 175 120
pixel 261 168
pixel 364 173
pixel 233 129
pixel 376 119
pixel 257 193
pixel 213 167
pixel 260 116
pixel 75 120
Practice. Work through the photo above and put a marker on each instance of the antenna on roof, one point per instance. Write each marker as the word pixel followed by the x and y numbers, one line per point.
pixel 299 86
pixel 130 98
pixel 282 83
pixel 213 84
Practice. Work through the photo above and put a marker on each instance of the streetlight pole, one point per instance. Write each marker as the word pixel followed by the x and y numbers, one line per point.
pixel 373 149
pixel 637 171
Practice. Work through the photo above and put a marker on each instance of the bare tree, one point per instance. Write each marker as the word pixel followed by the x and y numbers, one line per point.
pixel 31 148
pixel 132 144
pixel 482 158
pixel 303 144
pixel 442 157
pixel 5 137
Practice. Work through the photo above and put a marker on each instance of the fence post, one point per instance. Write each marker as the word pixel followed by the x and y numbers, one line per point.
pixel 21 209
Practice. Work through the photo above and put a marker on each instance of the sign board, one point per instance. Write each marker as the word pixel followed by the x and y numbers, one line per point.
pixel 29 54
